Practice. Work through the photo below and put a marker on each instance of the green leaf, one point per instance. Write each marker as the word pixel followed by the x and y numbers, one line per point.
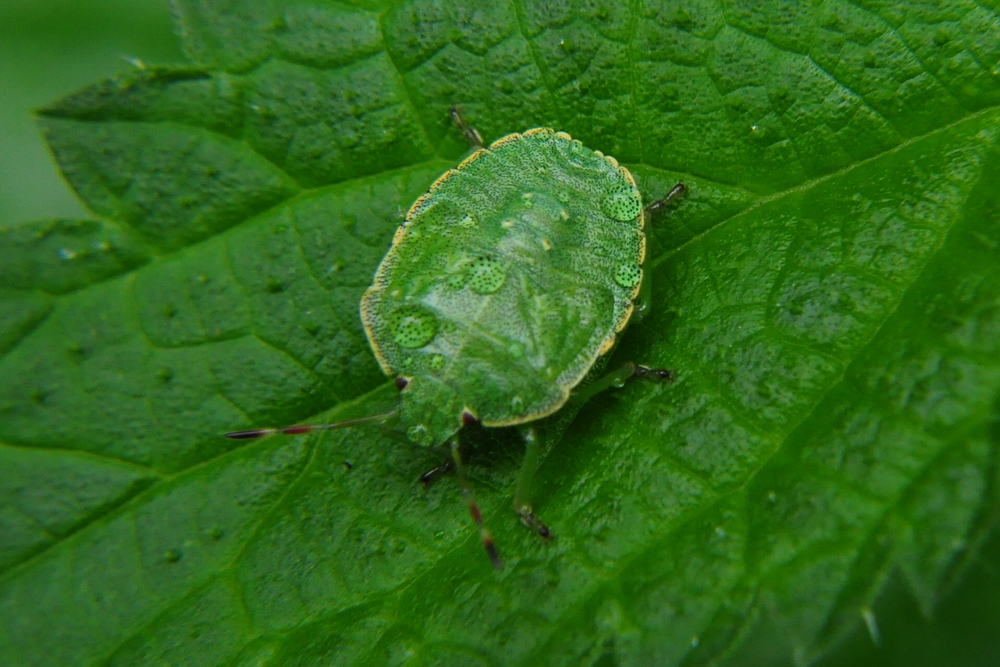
pixel 828 294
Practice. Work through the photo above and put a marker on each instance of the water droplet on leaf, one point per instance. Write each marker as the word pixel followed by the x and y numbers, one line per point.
pixel 420 435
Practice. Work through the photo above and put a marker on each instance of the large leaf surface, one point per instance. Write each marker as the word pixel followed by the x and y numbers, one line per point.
pixel 828 293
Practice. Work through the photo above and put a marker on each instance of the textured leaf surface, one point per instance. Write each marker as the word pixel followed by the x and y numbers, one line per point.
pixel 828 293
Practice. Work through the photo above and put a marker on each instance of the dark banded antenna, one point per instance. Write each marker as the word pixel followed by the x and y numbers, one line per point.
pixel 300 429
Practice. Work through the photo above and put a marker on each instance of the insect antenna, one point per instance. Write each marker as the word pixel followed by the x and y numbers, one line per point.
pixel 474 511
pixel 299 429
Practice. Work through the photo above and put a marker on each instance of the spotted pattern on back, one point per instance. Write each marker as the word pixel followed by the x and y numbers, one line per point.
pixel 511 276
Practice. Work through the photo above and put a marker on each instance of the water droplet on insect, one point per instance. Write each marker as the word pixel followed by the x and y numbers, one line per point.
pixel 448 326
pixel 563 197
pixel 564 214
pixel 486 275
pixel 516 349
pixel 628 275
pixel 468 222
pixel 436 362
pixel 67 253
pixel 413 327
pixel 529 199
pixel 508 223
pixel 517 405
pixel 420 435
pixel 456 281
pixel 618 383
pixel 623 205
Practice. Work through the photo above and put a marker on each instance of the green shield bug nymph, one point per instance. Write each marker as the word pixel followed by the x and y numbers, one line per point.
pixel 502 294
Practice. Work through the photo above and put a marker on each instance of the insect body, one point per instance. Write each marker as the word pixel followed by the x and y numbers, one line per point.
pixel 509 279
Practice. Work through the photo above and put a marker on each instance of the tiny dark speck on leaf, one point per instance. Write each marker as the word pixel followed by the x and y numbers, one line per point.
pixel 274 286
pixel 172 556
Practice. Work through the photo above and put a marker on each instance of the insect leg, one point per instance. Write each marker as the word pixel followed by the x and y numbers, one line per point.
pixel 474 511
pixel 660 204
pixel 618 378
pixel 645 295
pixel 532 449
pixel 471 134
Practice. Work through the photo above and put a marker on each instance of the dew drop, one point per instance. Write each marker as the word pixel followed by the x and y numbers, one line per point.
pixel 623 205
pixel 628 275
pixel 563 197
pixel 528 198
pixel 436 361
pixel 413 327
pixel 67 253
pixel 468 222
pixel 486 275
pixel 517 405
pixel 420 435
pixel 516 350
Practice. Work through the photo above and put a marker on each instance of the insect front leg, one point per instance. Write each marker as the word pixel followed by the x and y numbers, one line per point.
pixel 522 505
pixel 618 378
pixel 471 134
pixel 645 295
pixel 660 204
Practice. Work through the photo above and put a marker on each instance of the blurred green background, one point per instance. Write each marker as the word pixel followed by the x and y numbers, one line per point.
pixel 49 48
